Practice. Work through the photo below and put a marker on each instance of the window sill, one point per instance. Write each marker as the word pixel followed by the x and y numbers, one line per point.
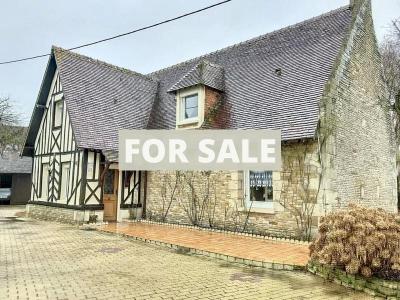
pixel 59 96
pixel 188 122
pixel 258 210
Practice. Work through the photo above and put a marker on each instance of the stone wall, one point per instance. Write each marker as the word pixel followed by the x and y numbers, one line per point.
pixel 225 208
pixel 356 162
pixel 372 286
pixel 356 132
pixel 62 215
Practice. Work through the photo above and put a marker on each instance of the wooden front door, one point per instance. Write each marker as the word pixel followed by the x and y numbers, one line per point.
pixel 110 195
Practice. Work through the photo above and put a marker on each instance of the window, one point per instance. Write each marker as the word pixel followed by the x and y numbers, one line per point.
pixel 128 176
pixel 44 189
pixel 190 107
pixel 5 181
pixel 108 187
pixel 64 191
pixel 259 189
pixel 58 110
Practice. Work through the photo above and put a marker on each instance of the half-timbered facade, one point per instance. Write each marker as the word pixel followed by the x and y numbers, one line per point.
pixel 66 175
pixel 304 80
pixel 57 164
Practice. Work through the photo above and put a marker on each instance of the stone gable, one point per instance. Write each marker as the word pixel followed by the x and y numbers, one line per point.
pixel 356 134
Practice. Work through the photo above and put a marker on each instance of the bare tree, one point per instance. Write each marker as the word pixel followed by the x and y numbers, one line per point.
pixel 396 28
pixel 11 135
pixel 212 203
pixel 196 195
pixel 298 195
pixel 390 51
pixel 170 186
pixel 247 215
pixel 7 115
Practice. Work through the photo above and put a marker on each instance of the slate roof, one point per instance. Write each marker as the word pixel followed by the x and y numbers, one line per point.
pixel 205 73
pixel 274 81
pixel 12 163
pixel 101 99
pixel 255 95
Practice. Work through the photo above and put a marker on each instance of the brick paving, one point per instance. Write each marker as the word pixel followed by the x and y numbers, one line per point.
pixel 243 247
pixel 44 260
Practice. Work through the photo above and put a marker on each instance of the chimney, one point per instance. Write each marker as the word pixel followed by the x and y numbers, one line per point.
pixel 356 3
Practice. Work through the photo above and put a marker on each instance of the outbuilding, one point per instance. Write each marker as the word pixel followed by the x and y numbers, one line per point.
pixel 15 179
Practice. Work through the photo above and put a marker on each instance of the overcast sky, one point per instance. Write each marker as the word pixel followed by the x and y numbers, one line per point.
pixel 30 27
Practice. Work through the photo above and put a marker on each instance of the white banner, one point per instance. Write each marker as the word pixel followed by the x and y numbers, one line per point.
pixel 200 150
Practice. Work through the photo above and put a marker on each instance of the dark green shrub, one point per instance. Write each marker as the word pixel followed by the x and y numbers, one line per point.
pixel 360 240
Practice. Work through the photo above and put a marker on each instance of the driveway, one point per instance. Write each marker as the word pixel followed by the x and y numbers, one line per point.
pixel 43 260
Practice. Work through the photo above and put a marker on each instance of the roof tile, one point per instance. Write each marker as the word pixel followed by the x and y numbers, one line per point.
pixel 102 98
pixel 255 94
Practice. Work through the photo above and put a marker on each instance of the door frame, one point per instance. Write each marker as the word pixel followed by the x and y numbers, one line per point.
pixel 116 190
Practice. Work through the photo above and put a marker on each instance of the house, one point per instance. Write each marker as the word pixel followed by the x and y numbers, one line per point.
pixel 318 81
pixel 15 178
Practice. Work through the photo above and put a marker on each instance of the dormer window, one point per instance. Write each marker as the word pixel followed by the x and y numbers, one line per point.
pixel 190 92
pixel 190 107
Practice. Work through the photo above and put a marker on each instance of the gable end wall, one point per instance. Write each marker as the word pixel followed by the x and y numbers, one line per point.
pixel 358 148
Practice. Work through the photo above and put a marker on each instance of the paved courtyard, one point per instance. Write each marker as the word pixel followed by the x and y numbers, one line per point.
pixel 43 260
pixel 235 246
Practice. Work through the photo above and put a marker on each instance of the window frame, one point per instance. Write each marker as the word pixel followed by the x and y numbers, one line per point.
pixel 113 172
pixel 64 166
pixel 256 204
pixel 182 119
pixel 55 103
pixel 41 196
pixel 191 123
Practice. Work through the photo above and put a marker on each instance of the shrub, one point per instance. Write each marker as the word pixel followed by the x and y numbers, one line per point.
pixel 360 241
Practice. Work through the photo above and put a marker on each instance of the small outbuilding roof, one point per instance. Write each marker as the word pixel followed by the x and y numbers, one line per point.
pixel 12 163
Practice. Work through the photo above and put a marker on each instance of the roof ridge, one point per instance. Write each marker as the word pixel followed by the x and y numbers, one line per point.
pixel 102 63
pixel 212 64
pixel 190 72
pixel 251 40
